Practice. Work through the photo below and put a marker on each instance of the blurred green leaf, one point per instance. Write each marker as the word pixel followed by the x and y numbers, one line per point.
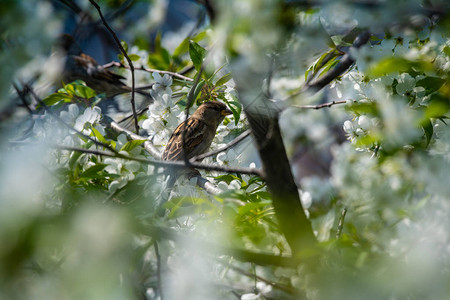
pixel 235 107
pixel 99 136
pixel 130 145
pixel 398 64
pixel 227 178
pixel 84 92
pixel 427 127
pixel 197 54
pixel 198 89
pixel 134 57
pixel 56 98
pixel 431 84
pixel 185 206
pixel 224 79
pixel 91 171
pixel 363 108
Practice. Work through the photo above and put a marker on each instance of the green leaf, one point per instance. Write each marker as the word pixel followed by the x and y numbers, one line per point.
pixel 91 171
pixel 224 79
pixel 307 72
pixel 69 88
pixel 254 179
pixel 431 84
pixel 56 98
pixel 197 54
pixel 182 48
pixel 263 195
pixel 331 63
pixel 157 61
pixel 198 89
pixel 363 108
pixel 160 58
pixel 427 127
pixel 73 159
pixel 183 206
pixel 397 64
pixel 130 145
pixel 134 57
pixel 446 50
pixel 184 45
pixel 227 178
pixel 84 92
pixel 124 45
pixel 235 107
pixel 339 40
pixel 99 136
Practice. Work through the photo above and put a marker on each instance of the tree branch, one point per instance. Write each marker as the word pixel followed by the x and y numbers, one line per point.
pixel 319 106
pixel 166 163
pixel 237 140
pixel 130 63
pixel 142 68
pixel 280 181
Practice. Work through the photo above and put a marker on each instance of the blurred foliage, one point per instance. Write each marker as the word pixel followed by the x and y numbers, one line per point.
pixel 75 224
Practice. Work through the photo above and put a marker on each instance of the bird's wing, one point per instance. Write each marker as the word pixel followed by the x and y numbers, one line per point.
pixel 195 134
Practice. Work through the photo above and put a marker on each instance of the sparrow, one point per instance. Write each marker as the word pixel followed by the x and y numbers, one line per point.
pixel 199 129
pixel 82 66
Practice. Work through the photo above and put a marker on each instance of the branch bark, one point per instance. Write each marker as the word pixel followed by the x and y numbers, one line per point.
pixel 280 181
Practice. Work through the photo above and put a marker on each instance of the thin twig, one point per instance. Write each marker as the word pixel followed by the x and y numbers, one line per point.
pixel 279 286
pixel 21 95
pixel 130 63
pixel 237 140
pixel 158 269
pixel 167 163
pixel 130 116
pixel 341 223
pixel 142 68
pixel 319 106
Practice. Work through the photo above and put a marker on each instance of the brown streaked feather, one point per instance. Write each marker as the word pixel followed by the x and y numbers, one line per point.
pixel 195 130
pixel 200 130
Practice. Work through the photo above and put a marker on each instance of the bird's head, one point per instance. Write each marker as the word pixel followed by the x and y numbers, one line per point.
pixel 212 112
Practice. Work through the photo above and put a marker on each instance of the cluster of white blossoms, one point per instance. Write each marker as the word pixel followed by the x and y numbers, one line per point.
pixel 359 127
pixel 396 96
pixel 163 114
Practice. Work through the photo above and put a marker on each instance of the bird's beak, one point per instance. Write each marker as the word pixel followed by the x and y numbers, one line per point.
pixel 226 112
